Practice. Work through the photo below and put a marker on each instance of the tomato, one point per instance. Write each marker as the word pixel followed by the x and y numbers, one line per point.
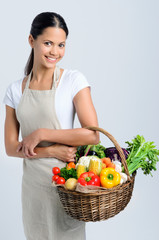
pixel 56 170
pixel 60 180
pixel 55 177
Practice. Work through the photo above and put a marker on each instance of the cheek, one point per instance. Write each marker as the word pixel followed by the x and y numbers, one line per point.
pixel 39 51
pixel 62 52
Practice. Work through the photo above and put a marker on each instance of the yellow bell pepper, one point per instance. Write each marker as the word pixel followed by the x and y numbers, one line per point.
pixel 109 177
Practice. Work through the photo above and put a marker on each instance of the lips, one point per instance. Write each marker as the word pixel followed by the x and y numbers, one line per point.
pixel 51 59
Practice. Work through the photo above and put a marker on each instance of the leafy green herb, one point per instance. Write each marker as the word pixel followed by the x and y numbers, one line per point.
pixel 99 149
pixel 84 150
pixel 68 173
pixel 142 155
pixel 80 152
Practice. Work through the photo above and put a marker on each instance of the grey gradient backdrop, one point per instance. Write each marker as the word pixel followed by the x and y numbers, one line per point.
pixel 115 45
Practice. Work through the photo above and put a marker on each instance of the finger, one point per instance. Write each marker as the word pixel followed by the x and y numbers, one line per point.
pixel 74 148
pixel 23 151
pixel 71 160
pixel 31 152
pixel 26 154
pixel 19 147
pixel 75 152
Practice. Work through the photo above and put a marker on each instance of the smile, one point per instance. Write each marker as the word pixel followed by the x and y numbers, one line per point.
pixel 51 59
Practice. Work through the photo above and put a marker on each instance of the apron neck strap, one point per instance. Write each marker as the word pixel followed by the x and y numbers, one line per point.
pixel 28 81
pixel 56 76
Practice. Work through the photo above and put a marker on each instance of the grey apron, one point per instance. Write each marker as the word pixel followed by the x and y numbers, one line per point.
pixel 43 215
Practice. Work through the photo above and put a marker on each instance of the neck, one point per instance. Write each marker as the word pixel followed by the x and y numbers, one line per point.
pixel 40 74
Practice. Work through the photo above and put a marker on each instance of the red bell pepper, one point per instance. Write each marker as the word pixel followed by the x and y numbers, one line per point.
pixel 89 178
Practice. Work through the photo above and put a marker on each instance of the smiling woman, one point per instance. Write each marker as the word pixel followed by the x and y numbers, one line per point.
pixel 51 50
pixel 43 105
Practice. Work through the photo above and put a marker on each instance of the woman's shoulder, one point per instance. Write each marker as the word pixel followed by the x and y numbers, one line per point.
pixel 72 72
pixel 13 93
pixel 15 85
pixel 73 75
pixel 74 81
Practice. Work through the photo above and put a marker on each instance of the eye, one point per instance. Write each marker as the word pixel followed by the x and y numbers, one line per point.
pixel 61 45
pixel 47 43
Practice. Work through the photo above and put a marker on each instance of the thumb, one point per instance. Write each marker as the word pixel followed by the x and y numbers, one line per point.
pixel 19 147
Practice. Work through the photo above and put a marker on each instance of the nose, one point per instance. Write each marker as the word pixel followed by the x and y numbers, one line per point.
pixel 54 50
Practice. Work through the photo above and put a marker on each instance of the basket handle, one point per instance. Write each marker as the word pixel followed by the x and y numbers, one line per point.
pixel 119 149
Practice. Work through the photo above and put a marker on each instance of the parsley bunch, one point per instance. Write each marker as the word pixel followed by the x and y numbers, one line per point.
pixel 68 173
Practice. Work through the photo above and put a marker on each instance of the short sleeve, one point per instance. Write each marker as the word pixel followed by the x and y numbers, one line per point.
pixel 13 94
pixel 79 82
pixel 8 98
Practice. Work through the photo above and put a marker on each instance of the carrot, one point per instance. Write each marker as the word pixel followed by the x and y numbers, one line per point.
pixel 106 161
pixel 111 165
pixel 103 165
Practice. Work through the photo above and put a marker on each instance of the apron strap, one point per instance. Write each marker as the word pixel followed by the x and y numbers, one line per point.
pixel 56 76
pixel 28 81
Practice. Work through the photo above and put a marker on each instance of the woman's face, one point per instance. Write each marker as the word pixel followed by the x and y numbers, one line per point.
pixel 49 47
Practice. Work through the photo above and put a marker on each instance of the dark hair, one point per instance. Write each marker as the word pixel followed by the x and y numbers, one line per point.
pixel 40 22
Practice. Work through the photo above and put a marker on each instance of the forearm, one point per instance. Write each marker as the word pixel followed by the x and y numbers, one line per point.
pixel 59 151
pixel 71 137
pixel 40 152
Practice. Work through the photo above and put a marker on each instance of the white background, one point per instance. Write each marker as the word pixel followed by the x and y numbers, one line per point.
pixel 115 44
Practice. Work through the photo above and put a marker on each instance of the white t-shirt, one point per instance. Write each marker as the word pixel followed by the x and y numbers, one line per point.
pixel 71 82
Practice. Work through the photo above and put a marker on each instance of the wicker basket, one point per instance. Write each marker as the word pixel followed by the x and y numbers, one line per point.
pixel 98 206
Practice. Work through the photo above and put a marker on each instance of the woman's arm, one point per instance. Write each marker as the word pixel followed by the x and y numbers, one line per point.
pixel 59 151
pixel 79 136
pixel 74 137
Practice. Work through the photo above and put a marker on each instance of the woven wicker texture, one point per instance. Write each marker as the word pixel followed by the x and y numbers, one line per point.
pixel 92 207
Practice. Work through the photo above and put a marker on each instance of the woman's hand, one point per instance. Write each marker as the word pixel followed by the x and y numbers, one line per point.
pixel 63 152
pixel 29 143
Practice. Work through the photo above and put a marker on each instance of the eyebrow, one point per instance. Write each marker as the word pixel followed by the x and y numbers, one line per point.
pixel 53 42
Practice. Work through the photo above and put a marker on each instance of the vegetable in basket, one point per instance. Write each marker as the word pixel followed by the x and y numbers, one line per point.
pixel 56 170
pixel 109 178
pixel 70 184
pixel 95 165
pixel 89 163
pixel 89 178
pixel 113 153
pixel 68 173
pixel 142 155
pixel 60 180
pixel 70 165
pixel 88 150
pixel 83 161
pixel 97 150
pixel 81 169
pixel 107 162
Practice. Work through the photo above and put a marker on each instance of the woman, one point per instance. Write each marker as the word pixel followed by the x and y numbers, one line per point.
pixel 42 106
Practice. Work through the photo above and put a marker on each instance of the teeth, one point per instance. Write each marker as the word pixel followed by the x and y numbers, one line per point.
pixel 53 59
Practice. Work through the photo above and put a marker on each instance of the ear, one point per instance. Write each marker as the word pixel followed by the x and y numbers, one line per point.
pixel 31 40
